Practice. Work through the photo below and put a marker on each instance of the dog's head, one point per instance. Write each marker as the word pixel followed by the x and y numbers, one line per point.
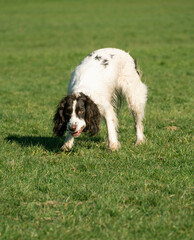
pixel 77 113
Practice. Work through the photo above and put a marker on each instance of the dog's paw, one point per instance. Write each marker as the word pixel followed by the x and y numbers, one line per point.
pixel 114 146
pixel 140 141
pixel 66 147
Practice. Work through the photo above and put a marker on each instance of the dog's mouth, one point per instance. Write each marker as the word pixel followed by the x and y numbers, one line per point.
pixel 77 134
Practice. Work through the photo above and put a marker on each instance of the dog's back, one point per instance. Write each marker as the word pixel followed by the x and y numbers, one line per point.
pixel 101 73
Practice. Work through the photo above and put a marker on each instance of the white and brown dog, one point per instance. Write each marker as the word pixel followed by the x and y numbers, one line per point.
pixel 92 93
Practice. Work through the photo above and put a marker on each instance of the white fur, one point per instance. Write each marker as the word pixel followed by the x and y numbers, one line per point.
pixel 100 82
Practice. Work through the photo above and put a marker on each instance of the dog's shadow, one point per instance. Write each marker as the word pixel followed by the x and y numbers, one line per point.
pixel 51 144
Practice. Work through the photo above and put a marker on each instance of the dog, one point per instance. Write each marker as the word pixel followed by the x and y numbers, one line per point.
pixel 93 93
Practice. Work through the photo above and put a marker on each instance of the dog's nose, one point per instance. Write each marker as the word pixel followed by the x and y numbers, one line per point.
pixel 72 127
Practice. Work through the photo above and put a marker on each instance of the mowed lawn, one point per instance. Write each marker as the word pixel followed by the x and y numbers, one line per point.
pixel 143 192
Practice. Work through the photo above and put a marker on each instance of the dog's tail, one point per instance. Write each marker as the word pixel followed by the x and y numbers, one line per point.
pixel 137 68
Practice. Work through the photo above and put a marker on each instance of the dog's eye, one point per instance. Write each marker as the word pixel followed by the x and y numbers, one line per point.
pixel 68 111
pixel 80 112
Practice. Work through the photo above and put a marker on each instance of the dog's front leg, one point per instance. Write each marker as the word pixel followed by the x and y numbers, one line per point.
pixel 112 122
pixel 68 144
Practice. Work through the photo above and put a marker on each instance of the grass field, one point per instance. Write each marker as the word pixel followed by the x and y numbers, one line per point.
pixel 143 192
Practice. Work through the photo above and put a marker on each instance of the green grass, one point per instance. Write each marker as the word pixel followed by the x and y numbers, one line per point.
pixel 143 192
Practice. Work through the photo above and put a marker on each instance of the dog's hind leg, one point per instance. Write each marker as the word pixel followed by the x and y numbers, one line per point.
pixel 136 96
pixel 138 118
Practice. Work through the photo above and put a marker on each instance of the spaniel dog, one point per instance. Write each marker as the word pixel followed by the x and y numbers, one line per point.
pixel 93 93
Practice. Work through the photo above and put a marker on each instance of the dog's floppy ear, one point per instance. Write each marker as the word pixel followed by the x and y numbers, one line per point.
pixel 92 117
pixel 60 122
